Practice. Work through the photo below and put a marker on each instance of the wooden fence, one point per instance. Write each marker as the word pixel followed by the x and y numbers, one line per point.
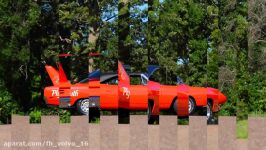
pixel 138 135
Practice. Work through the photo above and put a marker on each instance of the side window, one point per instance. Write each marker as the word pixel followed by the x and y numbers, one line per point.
pixel 135 80
pixel 138 80
pixel 113 81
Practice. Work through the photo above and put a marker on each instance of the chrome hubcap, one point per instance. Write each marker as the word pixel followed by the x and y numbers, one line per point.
pixel 189 106
pixel 84 105
pixel 208 112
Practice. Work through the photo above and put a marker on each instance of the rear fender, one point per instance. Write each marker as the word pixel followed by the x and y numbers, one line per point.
pixel 182 100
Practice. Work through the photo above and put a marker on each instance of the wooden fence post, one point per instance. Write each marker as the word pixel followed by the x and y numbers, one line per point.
pixel 65 135
pixel 80 132
pixel 227 133
pixel 257 133
pixel 124 137
pixel 20 131
pixel 168 132
pixel 197 132
pixel 50 132
pixel 212 137
pixel 35 136
pixel 183 137
pixel 153 137
pixel 109 132
pixel 138 132
pixel 94 137
pixel 5 132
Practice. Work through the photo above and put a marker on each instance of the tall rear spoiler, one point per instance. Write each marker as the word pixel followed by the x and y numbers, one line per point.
pixel 151 70
pixel 95 75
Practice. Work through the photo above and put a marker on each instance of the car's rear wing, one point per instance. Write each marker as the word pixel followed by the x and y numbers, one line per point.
pixel 151 70
pixel 53 74
pixel 123 87
pixel 57 76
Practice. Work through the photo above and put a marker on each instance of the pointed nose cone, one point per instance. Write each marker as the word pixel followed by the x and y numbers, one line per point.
pixel 222 98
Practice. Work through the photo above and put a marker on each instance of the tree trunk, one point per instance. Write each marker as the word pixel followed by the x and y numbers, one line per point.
pixel 256 35
pixel 150 29
pixel 123 31
pixel 94 10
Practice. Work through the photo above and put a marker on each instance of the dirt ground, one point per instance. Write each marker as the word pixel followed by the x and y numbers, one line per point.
pixel 150 136
pixel 212 139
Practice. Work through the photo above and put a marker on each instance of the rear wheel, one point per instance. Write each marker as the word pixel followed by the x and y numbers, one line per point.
pixel 83 106
pixel 84 109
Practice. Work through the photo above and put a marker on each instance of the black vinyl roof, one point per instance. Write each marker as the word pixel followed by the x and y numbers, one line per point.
pixel 108 76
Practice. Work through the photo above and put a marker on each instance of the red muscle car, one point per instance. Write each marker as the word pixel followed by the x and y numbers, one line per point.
pixel 113 91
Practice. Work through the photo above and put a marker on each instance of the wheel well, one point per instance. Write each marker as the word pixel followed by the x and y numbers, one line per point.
pixel 75 104
pixel 172 104
pixel 210 100
pixel 175 98
pixel 193 99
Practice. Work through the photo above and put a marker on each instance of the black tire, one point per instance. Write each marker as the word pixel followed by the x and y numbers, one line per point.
pixel 191 101
pixel 175 106
pixel 92 112
pixel 81 107
pixel 209 114
pixel 151 118
pixel 193 106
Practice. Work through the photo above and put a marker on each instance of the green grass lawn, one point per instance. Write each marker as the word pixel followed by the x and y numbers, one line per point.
pixel 257 114
pixel 242 125
pixel 242 129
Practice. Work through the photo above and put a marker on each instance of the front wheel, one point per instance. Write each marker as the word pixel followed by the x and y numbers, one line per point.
pixel 209 114
pixel 191 106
